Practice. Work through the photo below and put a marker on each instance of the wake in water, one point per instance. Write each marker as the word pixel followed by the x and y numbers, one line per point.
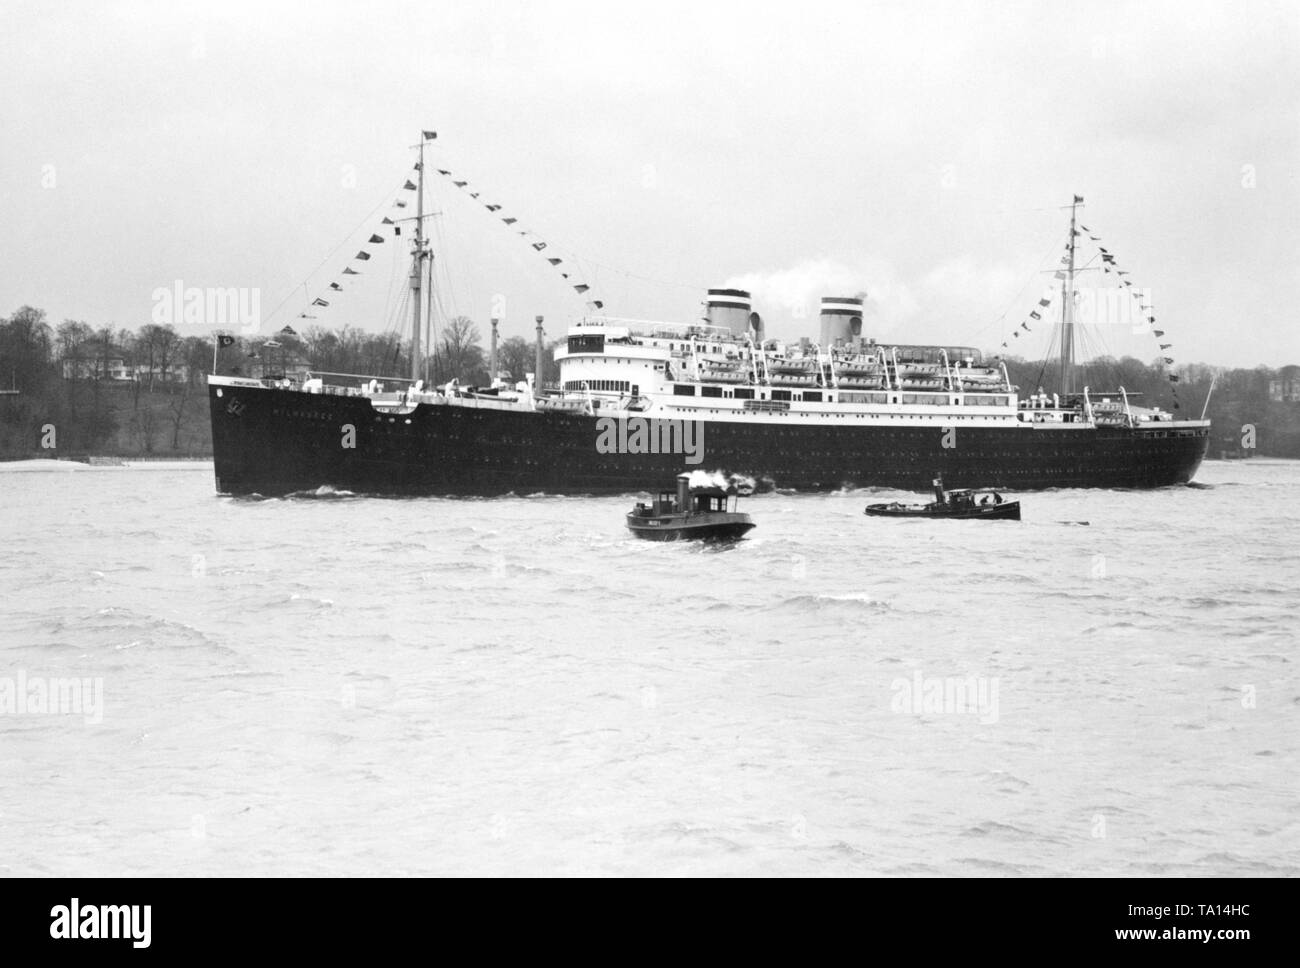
pixel 324 491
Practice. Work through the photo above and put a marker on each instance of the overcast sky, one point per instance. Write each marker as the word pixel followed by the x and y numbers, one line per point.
pixel 917 152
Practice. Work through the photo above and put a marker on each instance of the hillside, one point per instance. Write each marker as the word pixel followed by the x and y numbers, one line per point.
pixel 104 419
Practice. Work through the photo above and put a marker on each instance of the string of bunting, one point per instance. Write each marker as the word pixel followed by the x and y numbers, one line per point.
pixel 1109 266
pixel 363 254
pixel 1044 303
pixel 538 244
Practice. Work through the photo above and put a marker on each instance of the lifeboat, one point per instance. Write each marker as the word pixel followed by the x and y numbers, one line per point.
pixel 792 366
pixel 857 368
pixel 723 375
pixel 793 380
pixel 980 377
pixel 906 370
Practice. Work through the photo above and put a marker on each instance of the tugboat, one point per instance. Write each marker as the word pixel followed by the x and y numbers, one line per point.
pixel 964 503
pixel 690 512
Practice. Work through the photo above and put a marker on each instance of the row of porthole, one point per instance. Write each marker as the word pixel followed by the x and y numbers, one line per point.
pixel 453 435
pixel 860 416
pixel 309 414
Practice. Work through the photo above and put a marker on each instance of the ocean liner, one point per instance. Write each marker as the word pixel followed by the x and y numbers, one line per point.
pixel 642 400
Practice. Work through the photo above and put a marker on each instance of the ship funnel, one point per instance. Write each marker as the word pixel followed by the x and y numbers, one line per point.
pixel 683 492
pixel 841 319
pixel 730 308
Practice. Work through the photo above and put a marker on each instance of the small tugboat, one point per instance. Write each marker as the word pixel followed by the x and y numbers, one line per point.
pixel 690 512
pixel 963 503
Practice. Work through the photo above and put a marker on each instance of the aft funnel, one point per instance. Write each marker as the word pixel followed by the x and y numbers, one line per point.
pixel 841 319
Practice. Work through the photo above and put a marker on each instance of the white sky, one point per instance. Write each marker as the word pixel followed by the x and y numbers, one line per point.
pixel 916 152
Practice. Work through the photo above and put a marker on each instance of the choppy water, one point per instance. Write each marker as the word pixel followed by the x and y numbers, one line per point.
pixel 359 686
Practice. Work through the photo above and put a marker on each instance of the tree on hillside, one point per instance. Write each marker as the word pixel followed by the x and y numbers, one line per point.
pixel 144 428
pixel 382 355
pixel 177 408
pixel 73 338
pixel 26 344
pixel 320 345
pixel 196 353
pixel 515 357
pixel 72 334
pixel 157 347
pixel 460 354
pixel 550 366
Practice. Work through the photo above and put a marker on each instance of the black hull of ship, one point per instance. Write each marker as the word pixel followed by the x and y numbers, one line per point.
pixel 276 442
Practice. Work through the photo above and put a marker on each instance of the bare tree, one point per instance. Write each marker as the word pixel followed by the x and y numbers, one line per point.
pixel 196 351
pixel 25 346
pixel 460 355
pixel 74 338
pixel 144 426
pixel 71 335
pixel 157 347
pixel 177 408
pixel 515 356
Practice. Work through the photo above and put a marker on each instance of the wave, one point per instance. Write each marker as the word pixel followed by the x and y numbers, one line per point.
pixel 992 828
pixel 317 601
pixel 326 491
pixel 829 604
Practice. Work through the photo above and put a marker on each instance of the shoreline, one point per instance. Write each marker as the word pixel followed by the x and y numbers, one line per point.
pixel 28 465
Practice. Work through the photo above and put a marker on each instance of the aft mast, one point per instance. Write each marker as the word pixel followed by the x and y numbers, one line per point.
pixel 1067 310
